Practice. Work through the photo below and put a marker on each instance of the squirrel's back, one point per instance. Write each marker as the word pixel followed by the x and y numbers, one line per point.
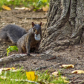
pixel 12 33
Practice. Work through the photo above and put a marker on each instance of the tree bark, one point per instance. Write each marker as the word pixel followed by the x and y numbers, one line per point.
pixel 64 24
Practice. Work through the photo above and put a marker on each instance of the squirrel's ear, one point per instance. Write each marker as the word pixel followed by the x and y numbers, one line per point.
pixel 33 24
pixel 40 23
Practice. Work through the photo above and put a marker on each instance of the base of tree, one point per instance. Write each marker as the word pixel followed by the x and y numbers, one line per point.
pixel 65 25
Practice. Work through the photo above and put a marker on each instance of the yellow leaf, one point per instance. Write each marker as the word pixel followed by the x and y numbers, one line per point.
pixel 55 73
pixel 13 68
pixel 65 79
pixel 6 7
pixel 67 66
pixel 31 76
pixel 78 72
pixel 45 8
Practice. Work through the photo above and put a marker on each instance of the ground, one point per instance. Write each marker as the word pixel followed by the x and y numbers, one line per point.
pixel 50 59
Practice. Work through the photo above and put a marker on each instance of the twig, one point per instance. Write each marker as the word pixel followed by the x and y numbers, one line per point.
pixel 40 68
pixel 36 17
pixel 53 57
pixel 32 17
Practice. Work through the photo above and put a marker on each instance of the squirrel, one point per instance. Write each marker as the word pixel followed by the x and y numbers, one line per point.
pixel 30 41
pixel 12 33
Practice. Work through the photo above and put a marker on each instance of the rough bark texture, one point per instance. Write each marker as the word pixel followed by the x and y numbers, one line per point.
pixel 65 24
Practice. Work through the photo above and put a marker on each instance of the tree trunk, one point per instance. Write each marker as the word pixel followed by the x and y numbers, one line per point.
pixel 64 24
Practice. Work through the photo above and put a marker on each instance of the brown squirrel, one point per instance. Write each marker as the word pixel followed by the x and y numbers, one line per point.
pixel 12 33
pixel 30 41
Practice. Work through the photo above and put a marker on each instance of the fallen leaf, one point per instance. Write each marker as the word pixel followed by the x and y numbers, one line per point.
pixel 16 70
pixel 55 73
pixel 65 79
pixel 67 66
pixel 31 76
pixel 5 69
pixel 22 8
pixel 78 72
pixel 6 7
pixel 45 8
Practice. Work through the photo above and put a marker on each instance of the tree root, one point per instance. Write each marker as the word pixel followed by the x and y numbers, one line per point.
pixel 12 58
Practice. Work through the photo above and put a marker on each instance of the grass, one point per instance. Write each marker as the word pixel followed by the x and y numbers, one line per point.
pixel 48 78
pixel 36 4
pixel 13 2
pixel 43 78
pixel 12 75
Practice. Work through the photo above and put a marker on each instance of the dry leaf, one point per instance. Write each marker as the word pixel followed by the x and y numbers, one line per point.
pixel 22 8
pixel 6 7
pixel 5 69
pixel 67 66
pixel 65 79
pixel 45 8
pixel 31 76
pixel 78 72
pixel 55 73
pixel 16 70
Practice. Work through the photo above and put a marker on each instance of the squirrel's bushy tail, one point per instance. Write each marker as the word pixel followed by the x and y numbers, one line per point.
pixel 12 33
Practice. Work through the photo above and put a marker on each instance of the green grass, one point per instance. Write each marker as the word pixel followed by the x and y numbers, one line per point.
pixel 48 78
pixel 12 75
pixel 13 2
pixel 36 4
pixel 43 78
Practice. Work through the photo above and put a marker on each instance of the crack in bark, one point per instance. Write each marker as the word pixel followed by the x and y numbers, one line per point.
pixel 72 18
pixel 51 12
pixel 63 19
